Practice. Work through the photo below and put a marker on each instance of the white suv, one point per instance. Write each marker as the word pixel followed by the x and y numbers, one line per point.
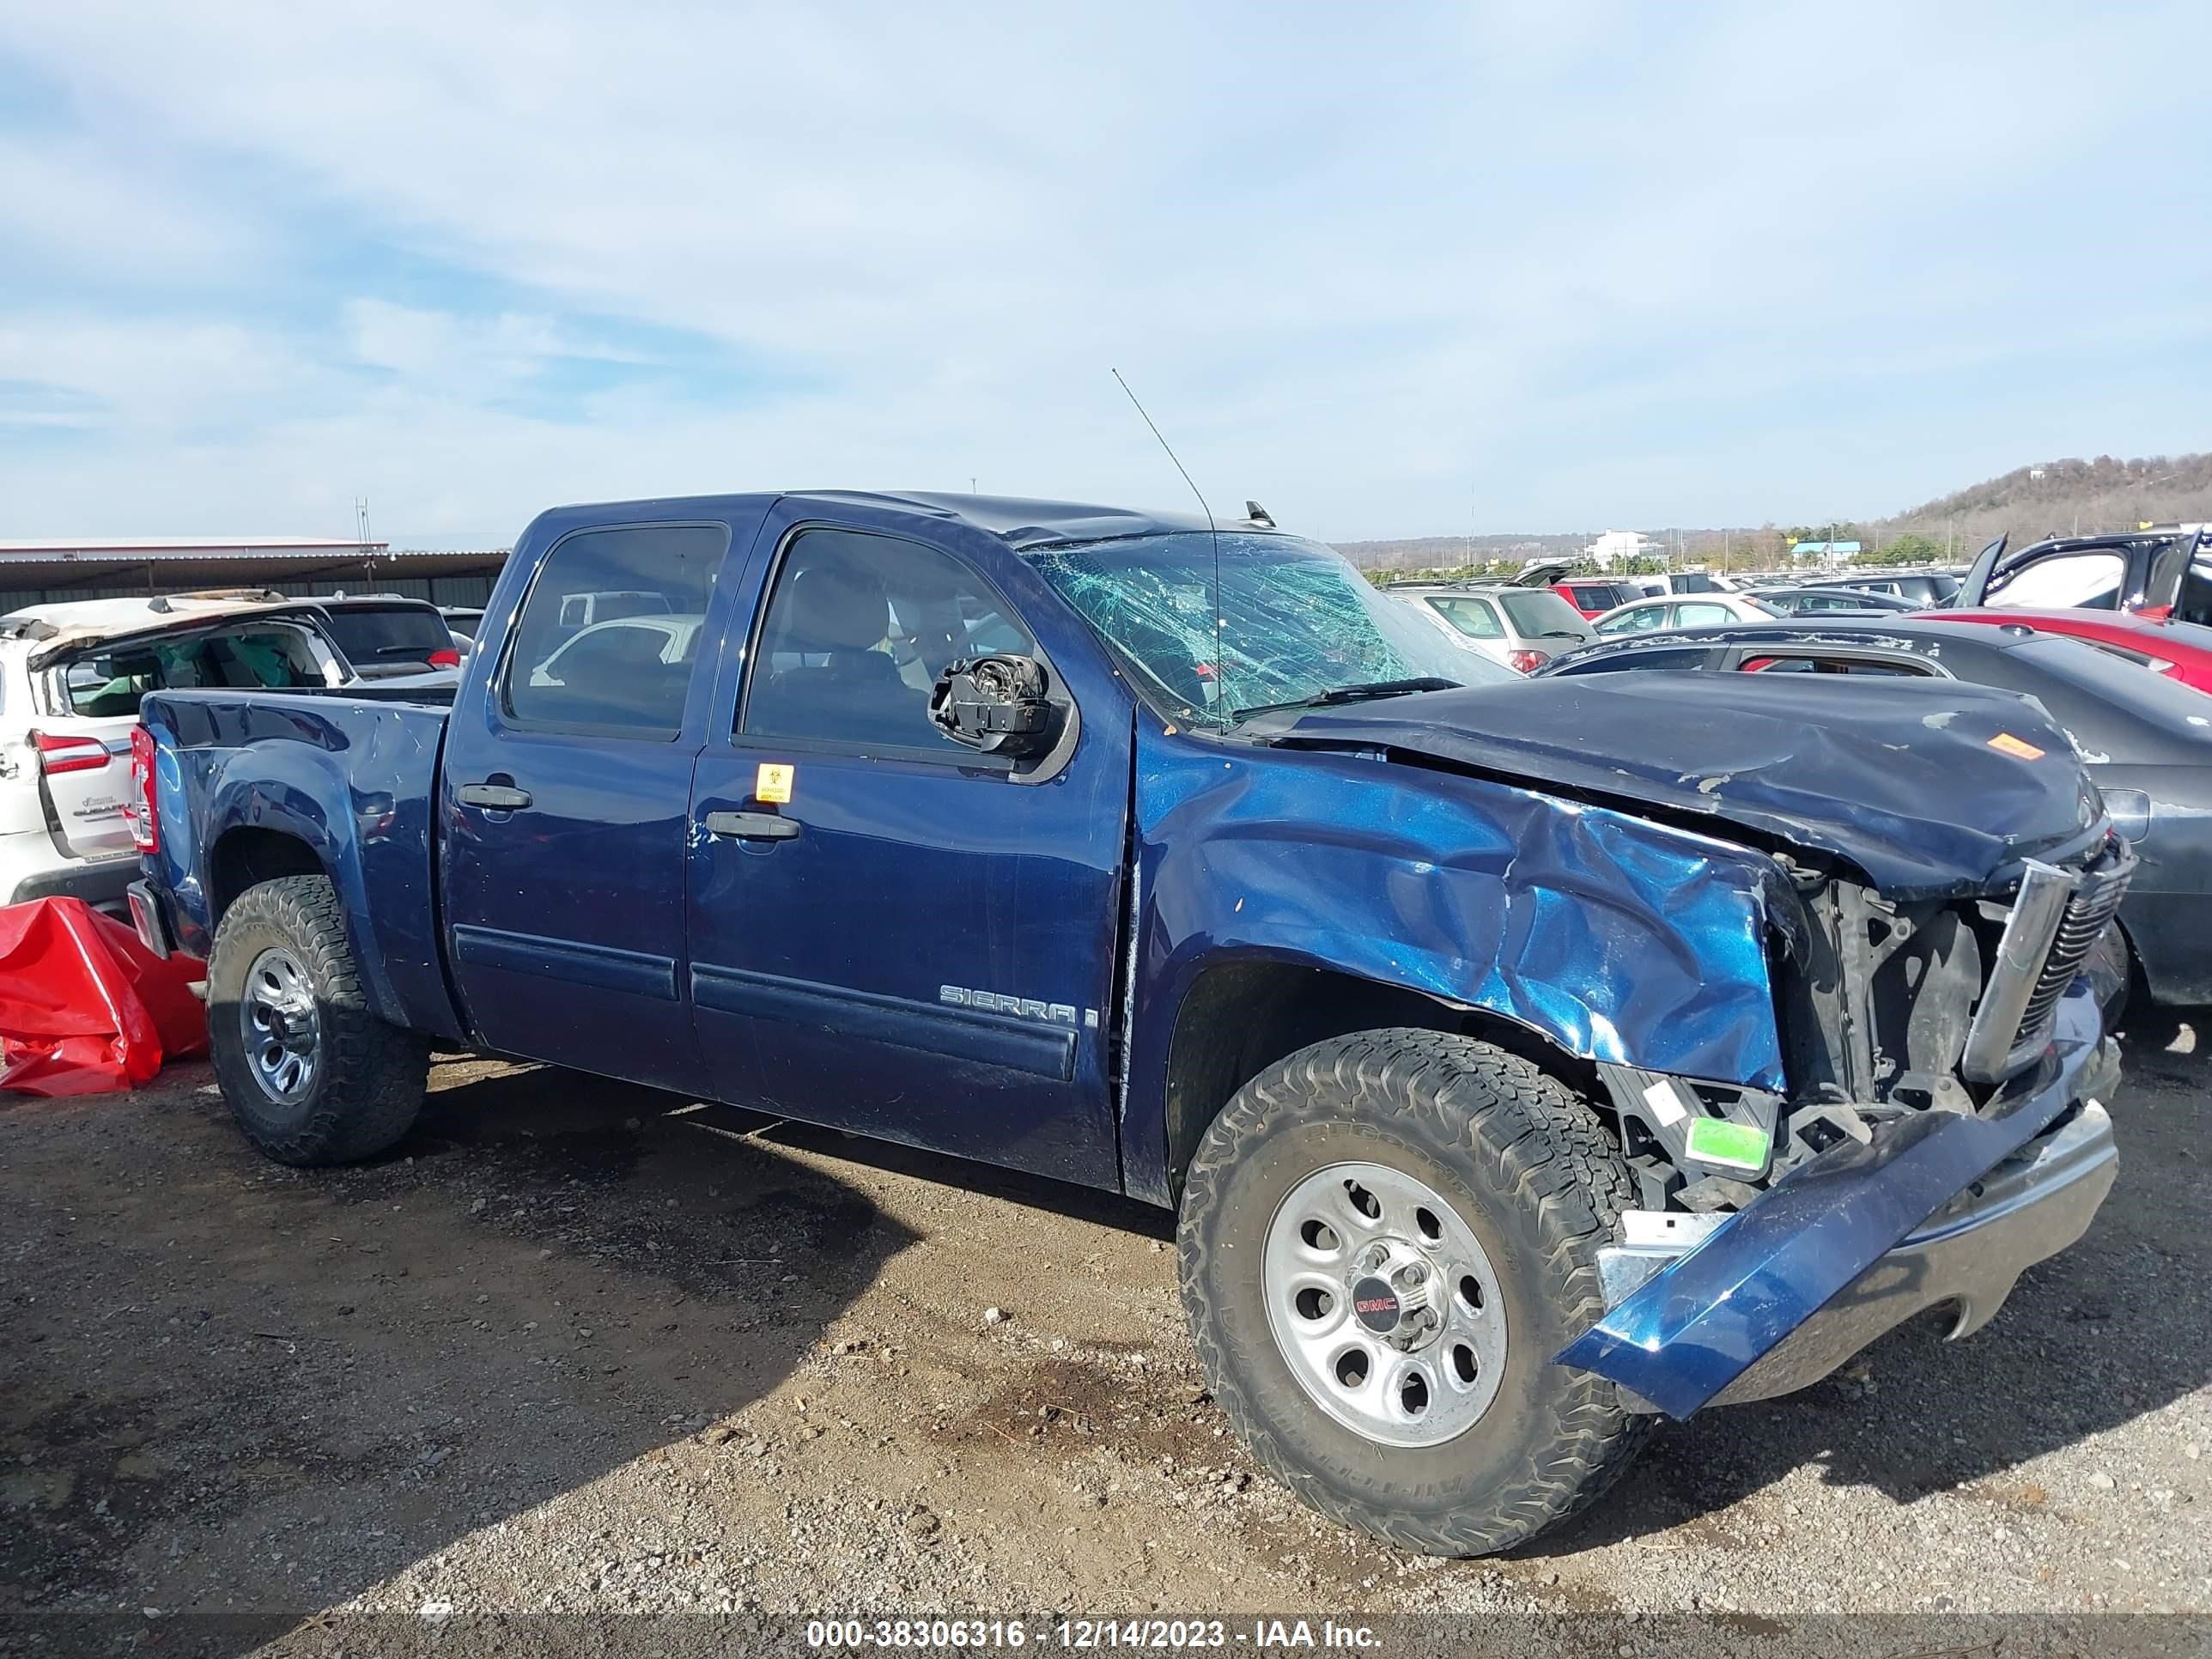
pixel 70 679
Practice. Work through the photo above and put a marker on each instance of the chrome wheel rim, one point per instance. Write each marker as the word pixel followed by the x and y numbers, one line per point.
pixel 1384 1305
pixel 282 1027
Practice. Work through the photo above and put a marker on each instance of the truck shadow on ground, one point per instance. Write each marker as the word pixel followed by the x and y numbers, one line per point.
pixel 2119 1326
pixel 231 1382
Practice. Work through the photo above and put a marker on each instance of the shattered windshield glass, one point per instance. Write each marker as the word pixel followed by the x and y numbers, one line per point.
pixel 1295 620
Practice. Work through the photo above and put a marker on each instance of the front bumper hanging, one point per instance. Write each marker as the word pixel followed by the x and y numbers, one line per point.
pixel 1942 1207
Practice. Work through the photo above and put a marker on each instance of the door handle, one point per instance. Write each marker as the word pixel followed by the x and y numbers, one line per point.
pixel 498 796
pixel 751 826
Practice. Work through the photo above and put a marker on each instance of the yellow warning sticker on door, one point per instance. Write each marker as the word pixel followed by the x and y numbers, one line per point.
pixel 772 783
pixel 2004 743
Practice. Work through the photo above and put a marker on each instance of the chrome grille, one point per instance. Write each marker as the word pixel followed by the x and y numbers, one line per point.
pixel 2056 918
pixel 2095 900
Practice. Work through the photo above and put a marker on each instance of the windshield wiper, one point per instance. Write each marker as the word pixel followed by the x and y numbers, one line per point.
pixel 1361 693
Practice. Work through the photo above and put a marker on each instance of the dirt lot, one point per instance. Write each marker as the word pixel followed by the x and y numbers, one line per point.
pixel 583 1347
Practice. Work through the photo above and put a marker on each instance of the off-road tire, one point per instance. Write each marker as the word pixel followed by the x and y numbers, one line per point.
pixel 1531 1171
pixel 371 1076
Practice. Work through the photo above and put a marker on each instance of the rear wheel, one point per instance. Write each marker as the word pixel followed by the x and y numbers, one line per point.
pixel 310 1074
pixel 1384 1239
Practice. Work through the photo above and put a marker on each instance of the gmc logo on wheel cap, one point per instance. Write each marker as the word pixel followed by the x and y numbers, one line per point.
pixel 1376 1304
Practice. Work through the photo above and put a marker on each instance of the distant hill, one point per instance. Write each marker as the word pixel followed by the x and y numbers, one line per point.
pixel 2056 498
pixel 1451 552
pixel 2051 498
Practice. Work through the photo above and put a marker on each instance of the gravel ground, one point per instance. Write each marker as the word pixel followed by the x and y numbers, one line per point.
pixel 585 1348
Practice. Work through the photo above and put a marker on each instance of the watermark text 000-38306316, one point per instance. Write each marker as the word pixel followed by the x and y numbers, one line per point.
pixel 1085 1635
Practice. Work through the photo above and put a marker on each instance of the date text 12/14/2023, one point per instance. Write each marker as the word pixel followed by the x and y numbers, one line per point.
pixel 1078 1634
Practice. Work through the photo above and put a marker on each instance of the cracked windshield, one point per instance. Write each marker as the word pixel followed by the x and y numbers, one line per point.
pixel 1296 621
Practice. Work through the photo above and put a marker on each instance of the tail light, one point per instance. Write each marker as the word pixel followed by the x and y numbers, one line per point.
pixel 58 754
pixel 1525 662
pixel 450 658
pixel 145 823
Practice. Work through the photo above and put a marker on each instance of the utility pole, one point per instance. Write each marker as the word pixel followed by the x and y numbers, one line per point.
pixel 361 534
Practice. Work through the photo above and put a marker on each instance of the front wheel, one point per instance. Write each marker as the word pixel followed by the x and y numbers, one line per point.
pixel 1383 1240
pixel 311 1075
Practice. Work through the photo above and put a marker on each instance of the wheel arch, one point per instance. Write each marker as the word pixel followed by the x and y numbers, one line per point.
pixel 259 834
pixel 246 855
pixel 1241 1015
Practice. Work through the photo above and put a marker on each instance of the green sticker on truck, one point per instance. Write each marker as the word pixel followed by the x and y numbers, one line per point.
pixel 1732 1145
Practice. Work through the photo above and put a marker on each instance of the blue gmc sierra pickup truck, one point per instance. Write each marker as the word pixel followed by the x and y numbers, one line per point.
pixel 1524 1059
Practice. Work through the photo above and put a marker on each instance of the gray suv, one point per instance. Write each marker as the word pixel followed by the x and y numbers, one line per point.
pixel 1520 626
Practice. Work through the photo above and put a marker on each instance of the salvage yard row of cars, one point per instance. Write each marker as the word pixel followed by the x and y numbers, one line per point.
pixel 1524 1055
pixel 2106 632
pixel 72 677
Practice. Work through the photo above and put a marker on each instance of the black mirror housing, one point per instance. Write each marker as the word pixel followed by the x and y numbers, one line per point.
pixel 997 705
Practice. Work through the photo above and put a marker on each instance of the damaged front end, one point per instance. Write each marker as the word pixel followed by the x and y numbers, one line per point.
pixel 1941 873
pixel 1943 1131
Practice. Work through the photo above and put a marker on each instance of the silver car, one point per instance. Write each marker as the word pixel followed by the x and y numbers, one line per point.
pixel 1647 616
pixel 1520 626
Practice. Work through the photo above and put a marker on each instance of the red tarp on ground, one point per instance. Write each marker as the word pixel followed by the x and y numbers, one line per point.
pixel 85 1008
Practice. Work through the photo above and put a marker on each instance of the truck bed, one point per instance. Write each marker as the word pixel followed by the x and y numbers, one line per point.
pixel 242 769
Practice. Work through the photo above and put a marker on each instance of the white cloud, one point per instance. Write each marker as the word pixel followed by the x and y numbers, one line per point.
pixel 1534 265
pixel 71 207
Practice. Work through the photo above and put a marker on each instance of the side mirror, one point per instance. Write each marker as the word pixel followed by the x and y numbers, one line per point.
pixel 995 704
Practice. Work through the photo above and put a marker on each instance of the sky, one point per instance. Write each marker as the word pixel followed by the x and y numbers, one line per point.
pixel 1407 272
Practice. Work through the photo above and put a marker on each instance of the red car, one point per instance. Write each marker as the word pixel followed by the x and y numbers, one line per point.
pixel 1593 596
pixel 2180 651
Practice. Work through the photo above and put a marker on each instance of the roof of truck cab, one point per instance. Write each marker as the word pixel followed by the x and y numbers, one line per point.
pixel 1020 522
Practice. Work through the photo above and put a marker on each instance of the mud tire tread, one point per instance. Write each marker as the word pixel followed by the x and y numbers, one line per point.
pixel 1532 1141
pixel 373 1074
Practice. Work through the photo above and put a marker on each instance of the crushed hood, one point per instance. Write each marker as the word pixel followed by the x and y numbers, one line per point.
pixel 1930 787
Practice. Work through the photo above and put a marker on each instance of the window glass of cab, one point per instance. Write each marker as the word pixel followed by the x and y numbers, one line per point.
pixel 857 630
pixel 581 659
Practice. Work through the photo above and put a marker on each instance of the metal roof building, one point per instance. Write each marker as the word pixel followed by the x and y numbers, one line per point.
pixel 45 571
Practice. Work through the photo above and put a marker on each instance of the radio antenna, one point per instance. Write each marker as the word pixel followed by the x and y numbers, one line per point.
pixel 1220 668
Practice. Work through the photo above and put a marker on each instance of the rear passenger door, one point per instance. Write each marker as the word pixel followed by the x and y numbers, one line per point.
pixel 566 795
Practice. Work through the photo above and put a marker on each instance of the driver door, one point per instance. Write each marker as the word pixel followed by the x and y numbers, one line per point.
pixel 889 934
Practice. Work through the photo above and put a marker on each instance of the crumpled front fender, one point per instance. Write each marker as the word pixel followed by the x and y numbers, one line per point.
pixel 1681 1337
pixel 1609 936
